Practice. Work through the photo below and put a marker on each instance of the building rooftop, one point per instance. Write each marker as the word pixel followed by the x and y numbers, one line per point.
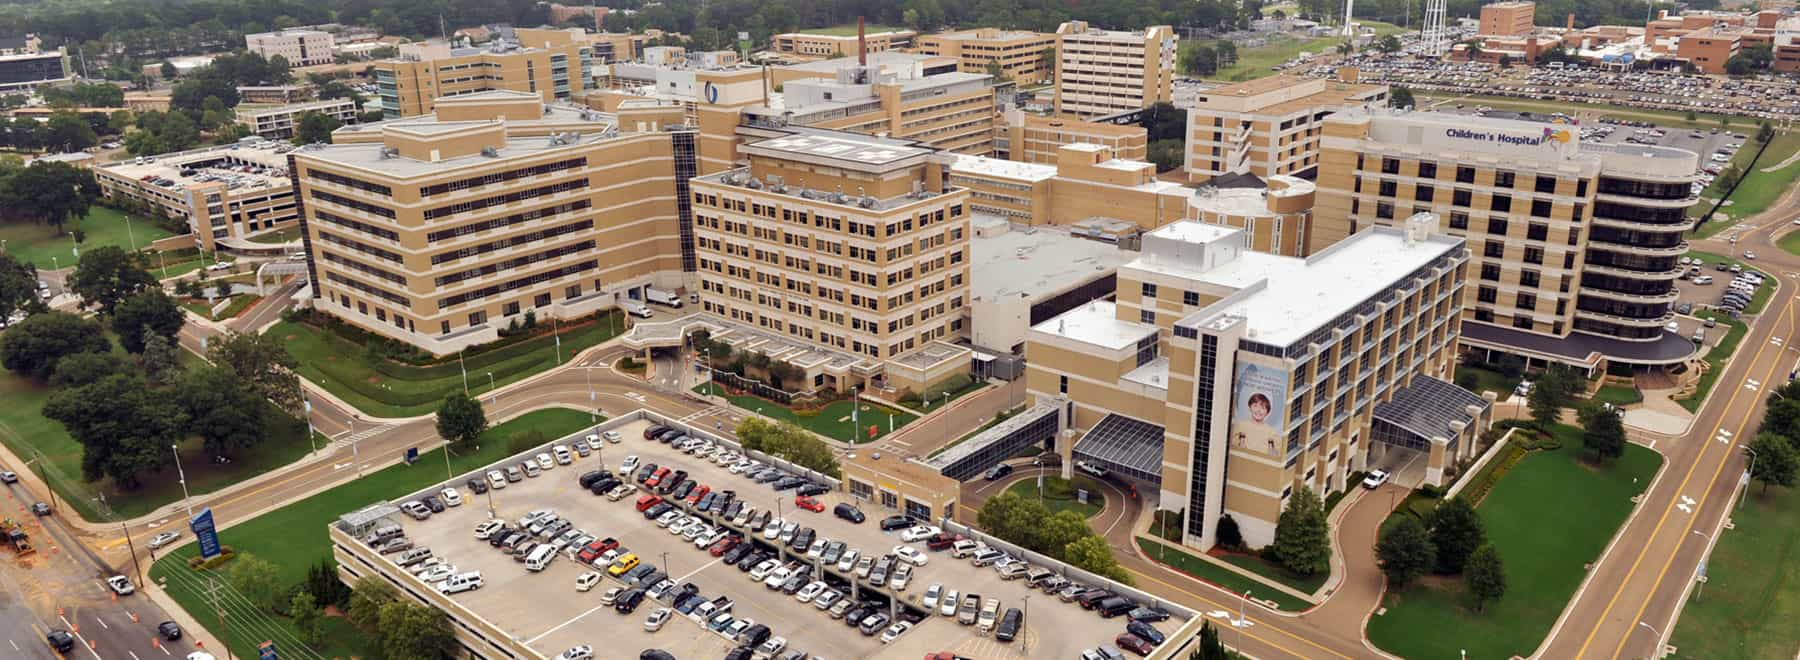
pixel 1003 169
pixel 887 60
pixel 930 355
pixel 553 114
pixel 839 146
pixel 372 156
pixel 1036 263
pixel 198 166
pixel 1283 299
pixel 1094 323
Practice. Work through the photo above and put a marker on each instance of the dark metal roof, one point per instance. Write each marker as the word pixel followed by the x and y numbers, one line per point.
pixel 1428 406
pixel 1236 180
pixel 1581 348
pixel 1130 444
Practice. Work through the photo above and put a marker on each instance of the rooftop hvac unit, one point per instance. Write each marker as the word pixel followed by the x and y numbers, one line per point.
pixel 389 152
pixel 490 152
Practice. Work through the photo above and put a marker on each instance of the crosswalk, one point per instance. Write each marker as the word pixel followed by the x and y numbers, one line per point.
pixel 360 435
pixel 988 648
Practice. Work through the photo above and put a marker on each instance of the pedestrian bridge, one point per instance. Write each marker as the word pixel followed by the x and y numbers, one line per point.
pixel 969 458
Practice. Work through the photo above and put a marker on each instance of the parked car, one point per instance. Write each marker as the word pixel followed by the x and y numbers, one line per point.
pixel 1375 479
pixel 848 512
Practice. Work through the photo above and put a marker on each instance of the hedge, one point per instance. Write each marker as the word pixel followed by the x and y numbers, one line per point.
pixel 1478 489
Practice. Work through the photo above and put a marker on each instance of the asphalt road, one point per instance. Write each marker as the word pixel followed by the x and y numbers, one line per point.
pixel 61 587
pixel 1630 604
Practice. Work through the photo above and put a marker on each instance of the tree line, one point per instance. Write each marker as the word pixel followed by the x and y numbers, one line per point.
pixel 1549 12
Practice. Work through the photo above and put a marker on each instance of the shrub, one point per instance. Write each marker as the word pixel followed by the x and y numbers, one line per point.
pixel 226 553
pixel 1228 534
pixel 1484 482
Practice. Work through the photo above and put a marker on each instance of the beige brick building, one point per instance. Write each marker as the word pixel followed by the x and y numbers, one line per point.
pixel 855 244
pixel 1576 246
pixel 226 194
pixel 1268 126
pixel 1104 72
pixel 278 121
pixel 443 230
pixel 409 84
pixel 1512 18
pixel 300 47
pixel 813 45
pixel 1223 379
pixel 1018 53
pixel 1037 139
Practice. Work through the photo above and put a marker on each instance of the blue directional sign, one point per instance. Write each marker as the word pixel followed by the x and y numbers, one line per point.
pixel 266 651
pixel 202 525
pixel 412 454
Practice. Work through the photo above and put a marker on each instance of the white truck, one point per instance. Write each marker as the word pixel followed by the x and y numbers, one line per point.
pixel 662 297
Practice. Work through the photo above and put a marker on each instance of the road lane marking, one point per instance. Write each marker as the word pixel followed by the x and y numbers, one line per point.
pixel 1787 314
pixel 15 645
pixel 1279 629
pixel 102 623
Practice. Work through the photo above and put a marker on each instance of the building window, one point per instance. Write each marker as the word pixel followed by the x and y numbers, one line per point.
pixel 1526 301
pixel 1522 322
pixel 1390 166
pixel 1062 384
pixel 1487 294
pixel 1534 255
pixel 1501 203
pixel 1423 193
pixel 1503 179
pixel 1497 226
pixel 1149 290
pixel 1428 170
pixel 1494 249
pixel 1459 220
pixel 1461 198
pixel 1190 298
pixel 1490 272
pixel 1546 184
pixel 1540 208
pixel 1146 316
pixel 1389 188
pixel 1529 278
pixel 1465 174
pixel 1384 210
pixel 1581 188
pixel 1537 231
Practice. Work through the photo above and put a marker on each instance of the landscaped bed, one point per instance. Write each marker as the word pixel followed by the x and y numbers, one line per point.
pixel 1548 516
pixel 1059 494
pixel 832 420
pixel 1225 578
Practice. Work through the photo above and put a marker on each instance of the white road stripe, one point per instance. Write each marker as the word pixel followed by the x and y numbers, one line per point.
pixel 102 623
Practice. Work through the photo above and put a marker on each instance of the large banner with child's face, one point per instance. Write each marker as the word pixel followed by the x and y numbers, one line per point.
pixel 1259 410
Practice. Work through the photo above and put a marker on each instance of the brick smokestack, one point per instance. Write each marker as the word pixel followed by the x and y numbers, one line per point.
pixel 862 44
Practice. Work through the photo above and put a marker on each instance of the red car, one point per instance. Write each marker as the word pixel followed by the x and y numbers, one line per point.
pixel 644 503
pixel 808 503
pixel 694 497
pixel 658 477
pixel 597 548
pixel 1134 644
pixel 942 541
pixel 725 545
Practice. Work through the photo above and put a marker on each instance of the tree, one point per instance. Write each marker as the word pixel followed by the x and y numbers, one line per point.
pixel 33 346
pixel 366 599
pixel 52 192
pixel 18 283
pixel 68 133
pixel 227 415
pixel 1388 44
pixel 145 313
pixel 1602 433
pixel 1456 531
pixel 1047 63
pixel 326 589
pixel 1015 519
pixel 1061 529
pixel 997 72
pixel 1765 131
pixel 86 368
pixel 1548 396
pixel 1091 554
pixel 161 359
pixel 314 127
pixel 412 631
pixel 257 580
pixel 1401 96
pixel 222 289
pixel 1166 154
pixel 1199 60
pixel 1486 576
pixel 1227 52
pixel 1776 460
pixel 168 70
pixel 1210 646
pixel 1227 533
pixel 1728 178
pixel 460 420
pixel 1163 121
pixel 1405 551
pixel 107 275
pixel 261 362
pixel 790 441
pixel 124 427
pixel 1302 541
pixel 304 609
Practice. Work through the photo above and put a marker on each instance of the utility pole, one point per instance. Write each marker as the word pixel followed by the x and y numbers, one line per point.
pixel 212 590
pixel 133 550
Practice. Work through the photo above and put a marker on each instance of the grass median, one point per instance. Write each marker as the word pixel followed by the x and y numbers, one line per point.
pixel 1749 603
pixel 1758 189
pixel 294 538
pixel 386 388
pixel 1058 494
pixel 1715 358
pixel 1224 578
pixel 44 247
pixel 1548 517
pixel 831 421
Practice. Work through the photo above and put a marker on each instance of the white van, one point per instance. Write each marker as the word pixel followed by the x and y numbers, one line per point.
pixel 635 308
pixel 540 557
pixel 461 582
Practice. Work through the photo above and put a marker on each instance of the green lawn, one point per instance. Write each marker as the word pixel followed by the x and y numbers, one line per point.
pixel 1763 293
pixel 1790 242
pixel 294 538
pixel 850 30
pixel 1715 358
pixel 1548 517
pixel 1488 380
pixel 29 434
pixel 1223 577
pixel 390 389
pixel 1059 494
pixel 1618 395
pixel 38 244
pixel 278 236
pixel 1259 566
pixel 1253 63
pixel 1759 189
pixel 1750 601
pixel 832 421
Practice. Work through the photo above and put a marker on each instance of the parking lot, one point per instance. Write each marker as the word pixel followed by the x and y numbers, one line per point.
pixel 513 598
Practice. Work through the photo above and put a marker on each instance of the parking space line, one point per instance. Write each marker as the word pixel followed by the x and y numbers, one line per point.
pixel 565 624
pixel 696 571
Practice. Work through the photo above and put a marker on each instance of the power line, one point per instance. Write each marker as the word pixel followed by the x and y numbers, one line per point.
pixel 245 613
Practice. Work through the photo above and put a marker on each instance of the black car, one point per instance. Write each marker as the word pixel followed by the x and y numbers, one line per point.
pixel 432 502
pixel 1009 625
pixel 892 523
pixel 1148 615
pixel 40 508
pixel 477 486
pixel 850 513
pixel 811 489
pixel 645 472
pixel 604 486
pixel 741 653
pixel 1146 631
pixel 736 553
pixel 787 484
pixel 997 472
pixel 660 508
pixel 169 630
pixel 769 475
pixel 802 539
pixel 653 431
pixel 60 640
pixel 669 436
pixel 857 614
pixel 706 503
pixel 682 490
pixel 755 635
pixel 793 584
pixel 655 654
pixel 685 603
pixel 499 537
pixel 750 561
pixel 587 479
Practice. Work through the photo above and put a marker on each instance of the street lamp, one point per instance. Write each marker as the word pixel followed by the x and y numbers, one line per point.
pixel 1024 629
pixel 493 397
pixel 1241 620
pixel 182 477
pixel 306 404
pixel 1653 630
pixel 1748 470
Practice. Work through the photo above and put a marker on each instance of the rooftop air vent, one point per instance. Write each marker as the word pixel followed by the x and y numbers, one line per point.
pixel 490 152
pixel 753 184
